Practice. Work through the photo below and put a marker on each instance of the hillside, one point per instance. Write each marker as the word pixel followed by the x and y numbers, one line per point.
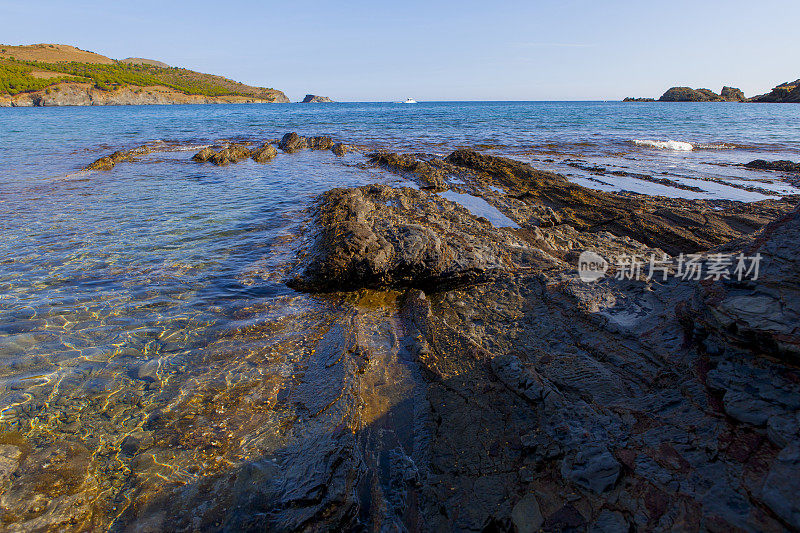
pixel 43 74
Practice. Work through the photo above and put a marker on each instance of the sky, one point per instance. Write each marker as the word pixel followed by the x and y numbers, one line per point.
pixel 439 50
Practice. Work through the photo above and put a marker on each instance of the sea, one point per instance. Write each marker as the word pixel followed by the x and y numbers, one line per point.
pixel 143 310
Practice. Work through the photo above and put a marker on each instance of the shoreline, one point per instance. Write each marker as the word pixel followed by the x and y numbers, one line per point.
pixel 409 359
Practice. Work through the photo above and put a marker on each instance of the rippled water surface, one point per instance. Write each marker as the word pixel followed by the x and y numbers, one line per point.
pixel 146 339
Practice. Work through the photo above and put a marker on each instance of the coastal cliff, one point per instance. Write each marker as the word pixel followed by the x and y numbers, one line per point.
pixel 84 94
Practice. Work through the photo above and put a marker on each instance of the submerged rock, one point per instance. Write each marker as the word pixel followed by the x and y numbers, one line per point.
pixel 292 142
pixel 108 162
pixel 340 149
pixel 782 166
pixel 430 176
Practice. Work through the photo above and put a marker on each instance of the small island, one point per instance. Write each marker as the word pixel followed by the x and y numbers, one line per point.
pixel 316 99
pixel 788 92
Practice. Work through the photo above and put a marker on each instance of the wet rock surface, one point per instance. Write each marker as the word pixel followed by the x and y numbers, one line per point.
pixel 292 142
pixel 108 162
pixel 783 166
pixel 381 237
pixel 564 405
pixel 263 153
pixel 448 374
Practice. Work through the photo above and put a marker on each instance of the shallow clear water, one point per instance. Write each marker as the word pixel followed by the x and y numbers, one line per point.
pixel 146 301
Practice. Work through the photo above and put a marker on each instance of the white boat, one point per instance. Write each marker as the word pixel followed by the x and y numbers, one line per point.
pixel 410 101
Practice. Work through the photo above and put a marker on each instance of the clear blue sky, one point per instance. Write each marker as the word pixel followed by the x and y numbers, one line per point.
pixel 466 50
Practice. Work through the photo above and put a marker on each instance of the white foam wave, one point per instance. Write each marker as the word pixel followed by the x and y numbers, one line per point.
pixel 665 145
pixel 717 146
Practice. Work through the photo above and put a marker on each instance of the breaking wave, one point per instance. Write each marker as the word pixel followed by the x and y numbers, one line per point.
pixel 665 145
pixel 681 146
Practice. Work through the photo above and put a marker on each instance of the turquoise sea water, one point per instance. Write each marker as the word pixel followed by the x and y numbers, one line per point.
pixel 156 287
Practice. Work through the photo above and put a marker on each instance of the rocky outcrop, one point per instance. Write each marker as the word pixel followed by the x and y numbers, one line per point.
pixel 108 162
pixel 84 94
pixel 315 99
pixel 377 237
pixel 431 174
pixel 546 402
pixel 292 142
pixel 782 166
pixel 264 153
pixel 687 94
pixel 673 225
pixel 231 154
pixel 763 314
pixel 320 143
pixel 732 94
pixel 632 99
pixel 785 93
pixel 340 149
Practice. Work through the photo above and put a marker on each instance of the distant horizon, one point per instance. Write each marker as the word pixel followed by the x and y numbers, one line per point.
pixel 570 51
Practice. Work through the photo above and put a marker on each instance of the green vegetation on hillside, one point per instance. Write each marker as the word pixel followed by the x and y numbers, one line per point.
pixel 15 77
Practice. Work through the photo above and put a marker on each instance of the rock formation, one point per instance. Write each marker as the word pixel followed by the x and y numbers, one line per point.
pixel 264 153
pixel 292 142
pixel 314 99
pixel 783 166
pixel 547 402
pixel 687 94
pixel 466 377
pixel 785 93
pixel 732 94
pixel 108 162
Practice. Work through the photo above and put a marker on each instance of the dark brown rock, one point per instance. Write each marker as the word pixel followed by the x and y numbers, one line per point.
pixel 786 93
pixel 231 154
pixel 264 153
pixel 320 143
pixel 292 142
pixel 204 155
pixel 377 236
pixel 673 225
pixel 340 149
pixel 782 166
